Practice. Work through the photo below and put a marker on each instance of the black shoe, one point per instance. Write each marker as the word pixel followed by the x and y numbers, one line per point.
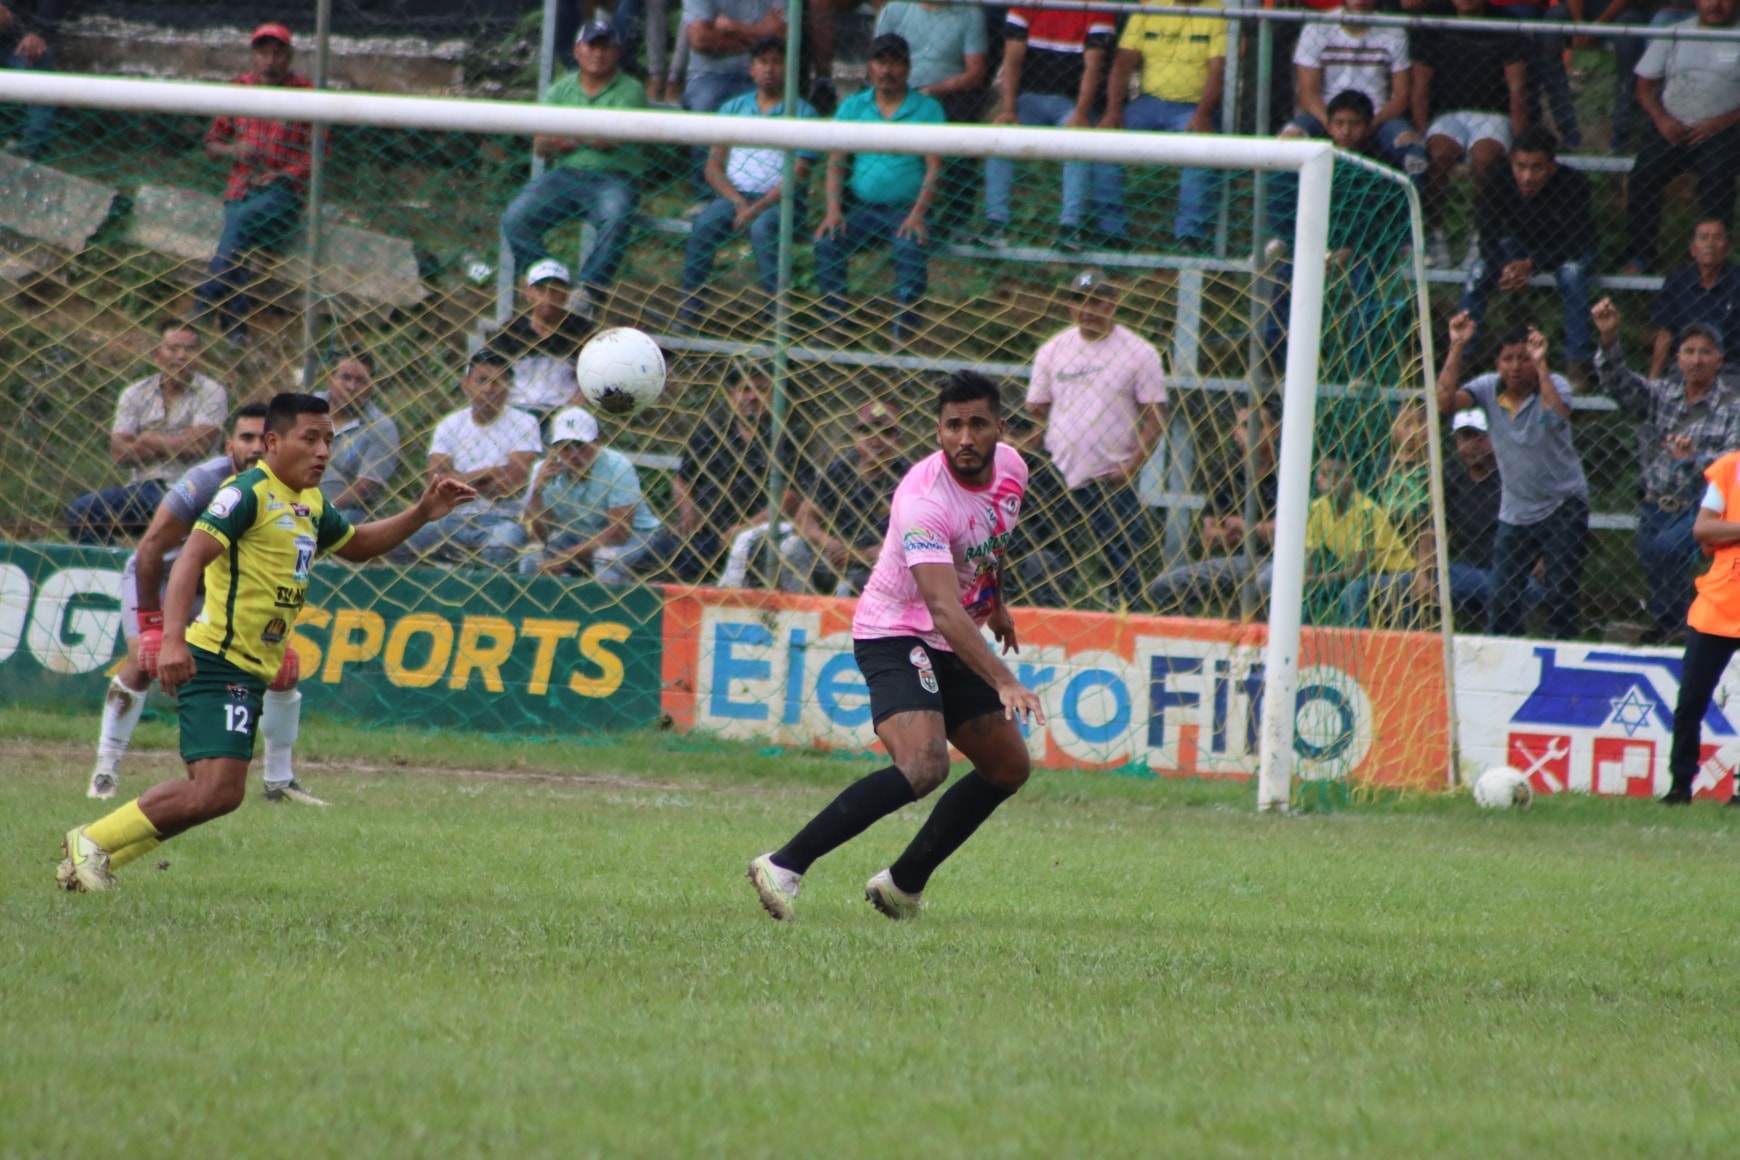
pixel 1113 243
pixel 1679 795
pixel 824 96
pixel 1070 240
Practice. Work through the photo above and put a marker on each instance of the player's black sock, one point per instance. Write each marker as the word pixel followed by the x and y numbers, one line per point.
pixel 859 806
pixel 960 811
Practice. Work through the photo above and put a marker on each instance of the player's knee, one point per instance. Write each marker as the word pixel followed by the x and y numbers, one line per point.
pixel 1012 774
pixel 222 796
pixel 927 767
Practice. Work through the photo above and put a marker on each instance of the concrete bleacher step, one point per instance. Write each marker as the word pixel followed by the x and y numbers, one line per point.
pixel 184 224
pixel 51 206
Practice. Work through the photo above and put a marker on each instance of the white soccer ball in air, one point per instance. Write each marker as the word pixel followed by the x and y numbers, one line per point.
pixel 1503 788
pixel 621 371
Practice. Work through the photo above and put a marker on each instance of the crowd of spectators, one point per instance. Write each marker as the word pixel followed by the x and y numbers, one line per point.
pixel 554 500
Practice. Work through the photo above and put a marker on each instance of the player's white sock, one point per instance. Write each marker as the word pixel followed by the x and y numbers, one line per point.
pixel 280 721
pixel 121 709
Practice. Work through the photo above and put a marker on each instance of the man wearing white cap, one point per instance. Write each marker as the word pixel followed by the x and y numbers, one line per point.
pixel 1472 493
pixel 586 504
pixel 541 344
pixel 269 164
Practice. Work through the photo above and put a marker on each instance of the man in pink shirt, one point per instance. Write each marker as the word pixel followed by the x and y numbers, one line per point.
pixel 933 679
pixel 1100 390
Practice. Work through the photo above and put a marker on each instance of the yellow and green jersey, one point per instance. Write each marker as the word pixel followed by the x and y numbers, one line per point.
pixel 254 590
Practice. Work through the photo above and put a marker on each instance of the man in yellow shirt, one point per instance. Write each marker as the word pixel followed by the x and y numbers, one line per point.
pixel 254 548
pixel 1349 535
pixel 1183 62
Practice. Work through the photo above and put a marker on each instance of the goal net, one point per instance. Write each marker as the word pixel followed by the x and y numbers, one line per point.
pixel 1227 561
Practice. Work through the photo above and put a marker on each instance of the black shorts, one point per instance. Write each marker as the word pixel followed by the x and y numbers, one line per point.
pixel 904 674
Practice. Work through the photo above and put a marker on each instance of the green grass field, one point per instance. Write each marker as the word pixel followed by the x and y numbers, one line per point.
pixel 535 949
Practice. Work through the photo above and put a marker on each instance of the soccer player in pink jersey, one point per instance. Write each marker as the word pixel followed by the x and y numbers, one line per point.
pixel 933 679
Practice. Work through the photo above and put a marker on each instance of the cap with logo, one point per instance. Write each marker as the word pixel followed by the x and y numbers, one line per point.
pixel 573 425
pixel 548 270
pixel 1092 280
pixel 595 30
pixel 1472 419
pixel 877 415
pixel 271 32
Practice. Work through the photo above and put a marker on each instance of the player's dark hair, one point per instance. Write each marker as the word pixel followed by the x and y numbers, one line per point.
pixel 281 416
pixel 966 387
pixel 1351 101
pixel 248 411
pixel 1536 139
pixel 486 357
pixel 170 326
pixel 1697 329
pixel 356 354
pixel 1710 220
pixel 1515 336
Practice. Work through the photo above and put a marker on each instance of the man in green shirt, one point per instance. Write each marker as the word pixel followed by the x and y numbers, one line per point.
pixel 591 178
pixel 890 192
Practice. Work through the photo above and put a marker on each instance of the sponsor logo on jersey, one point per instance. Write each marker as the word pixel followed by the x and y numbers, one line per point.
pixel 238 692
pixel 289 597
pixel 285 522
pixel 276 629
pixel 224 502
pixel 926 674
pixel 274 507
pixel 300 509
pixel 922 540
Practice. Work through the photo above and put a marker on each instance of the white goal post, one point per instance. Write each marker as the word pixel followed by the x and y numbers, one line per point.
pixel 1312 161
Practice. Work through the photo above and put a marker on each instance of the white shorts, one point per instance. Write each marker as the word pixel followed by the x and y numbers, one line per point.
pixel 130 595
pixel 1467 126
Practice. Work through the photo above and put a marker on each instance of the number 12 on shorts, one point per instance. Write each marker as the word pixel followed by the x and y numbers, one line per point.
pixel 236 718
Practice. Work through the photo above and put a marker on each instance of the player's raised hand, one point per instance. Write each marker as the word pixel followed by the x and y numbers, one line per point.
pixel 150 640
pixel 1462 328
pixel 1605 315
pixel 175 665
pixel 1021 704
pixel 1537 345
pixel 443 494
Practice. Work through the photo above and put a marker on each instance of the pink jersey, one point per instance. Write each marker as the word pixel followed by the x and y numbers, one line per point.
pixel 935 520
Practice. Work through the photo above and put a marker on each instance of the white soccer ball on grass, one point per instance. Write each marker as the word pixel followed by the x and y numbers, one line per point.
pixel 621 371
pixel 1503 788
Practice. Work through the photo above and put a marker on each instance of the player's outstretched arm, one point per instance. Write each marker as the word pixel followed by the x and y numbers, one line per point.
pixel 940 588
pixel 174 662
pixel 441 496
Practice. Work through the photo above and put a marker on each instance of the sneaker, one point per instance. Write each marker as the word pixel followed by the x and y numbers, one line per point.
pixel 1275 250
pixel 86 864
pixel 884 895
pixel 103 786
pixel 777 886
pixel 1070 240
pixel 1438 250
pixel 292 791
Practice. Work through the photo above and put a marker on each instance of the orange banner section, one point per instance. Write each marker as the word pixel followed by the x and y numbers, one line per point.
pixel 1173 696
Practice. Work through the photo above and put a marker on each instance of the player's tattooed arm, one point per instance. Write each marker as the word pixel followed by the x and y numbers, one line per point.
pixel 940 588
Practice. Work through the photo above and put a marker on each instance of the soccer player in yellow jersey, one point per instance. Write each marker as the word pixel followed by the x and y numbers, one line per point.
pixel 255 547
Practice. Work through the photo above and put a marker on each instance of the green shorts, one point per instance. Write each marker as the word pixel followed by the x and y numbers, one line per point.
pixel 219 709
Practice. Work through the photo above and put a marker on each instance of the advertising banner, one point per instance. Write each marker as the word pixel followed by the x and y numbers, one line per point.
pixel 402 646
pixel 1588 718
pixel 1171 696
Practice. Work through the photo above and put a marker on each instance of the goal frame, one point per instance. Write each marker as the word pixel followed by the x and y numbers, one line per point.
pixel 1312 161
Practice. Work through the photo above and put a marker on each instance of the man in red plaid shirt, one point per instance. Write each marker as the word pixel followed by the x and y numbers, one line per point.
pixel 268 176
